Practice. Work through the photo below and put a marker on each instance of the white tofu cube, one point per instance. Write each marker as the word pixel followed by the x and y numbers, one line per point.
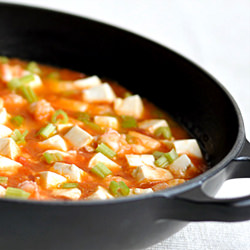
pixel 100 194
pixel 189 146
pixel 78 137
pixel 3 116
pixel 139 160
pixel 101 93
pixel 106 121
pixel 180 165
pixel 8 148
pixel 70 171
pixel 149 173
pixel 5 131
pixel 49 179
pixel 130 106
pixel 87 82
pixel 63 128
pixel 72 193
pixel 152 125
pixel 2 191
pixel 55 142
pixel 9 166
pixel 57 152
pixel 99 157
pixel 137 191
pixel 37 82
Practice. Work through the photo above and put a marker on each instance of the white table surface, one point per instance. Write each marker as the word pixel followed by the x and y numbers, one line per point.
pixel 215 34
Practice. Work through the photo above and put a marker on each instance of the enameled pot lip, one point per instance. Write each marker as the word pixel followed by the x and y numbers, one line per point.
pixel 170 192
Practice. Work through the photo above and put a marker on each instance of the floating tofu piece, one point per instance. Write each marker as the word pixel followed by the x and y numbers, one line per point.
pixel 106 121
pixel 180 165
pixel 3 115
pixel 100 194
pixel 146 141
pixel 49 179
pixel 130 106
pixel 87 82
pixel 149 173
pixel 35 82
pixel 189 146
pixel 99 157
pixel 8 148
pixel 2 191
pixel 72 193
pixel 55 142
pixel 137 191
pixel 9 166
pixel 101 93
pixel 5 131
pixel 70 171
pixel 139 160
pixel 78 137
pixel 57 152
pixel 63 128
pixel 152 124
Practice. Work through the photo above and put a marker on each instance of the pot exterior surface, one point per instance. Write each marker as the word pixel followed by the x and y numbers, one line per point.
pixel 127 226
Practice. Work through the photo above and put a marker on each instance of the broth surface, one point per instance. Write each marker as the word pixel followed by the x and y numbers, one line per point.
pixel 66 135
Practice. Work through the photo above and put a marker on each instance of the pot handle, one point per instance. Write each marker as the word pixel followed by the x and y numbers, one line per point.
pixel 201 207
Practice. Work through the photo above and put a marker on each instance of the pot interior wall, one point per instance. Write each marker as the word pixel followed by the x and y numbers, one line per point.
pixel 152 71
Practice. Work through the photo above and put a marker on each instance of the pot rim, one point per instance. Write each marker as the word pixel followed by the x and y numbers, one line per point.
pixel 169 192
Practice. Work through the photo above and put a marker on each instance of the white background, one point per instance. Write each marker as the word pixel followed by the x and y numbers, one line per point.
pixel 214 34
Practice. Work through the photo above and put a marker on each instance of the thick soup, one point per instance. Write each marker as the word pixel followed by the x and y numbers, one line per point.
pixel 65 135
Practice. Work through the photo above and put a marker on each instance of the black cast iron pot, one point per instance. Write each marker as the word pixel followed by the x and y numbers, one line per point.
pixel 189 94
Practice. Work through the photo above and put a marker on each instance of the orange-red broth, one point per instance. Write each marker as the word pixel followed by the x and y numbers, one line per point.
pixel 31 153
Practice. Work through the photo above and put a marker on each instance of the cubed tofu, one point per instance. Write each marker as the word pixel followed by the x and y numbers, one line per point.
pixel 49 179
pixel 55 142
pixel 88 82
pixel 63 128
pixel 72 193
pixel 130 106
pixel 99 157
pixel 5 131
pixel 57 152
pixel 147 142
pixel 136 191
pixel 3 116
pixel 139 160
pixel 70 171
pixel 106 121
pixel 8 148
pixel 2 191
pixel 180 166
pixel 78 137
pixel 101 93
pixel 36 82
pixel 9 166
pixel 152 125
pixel 100 194
pixel 149 173
pixel 189 146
